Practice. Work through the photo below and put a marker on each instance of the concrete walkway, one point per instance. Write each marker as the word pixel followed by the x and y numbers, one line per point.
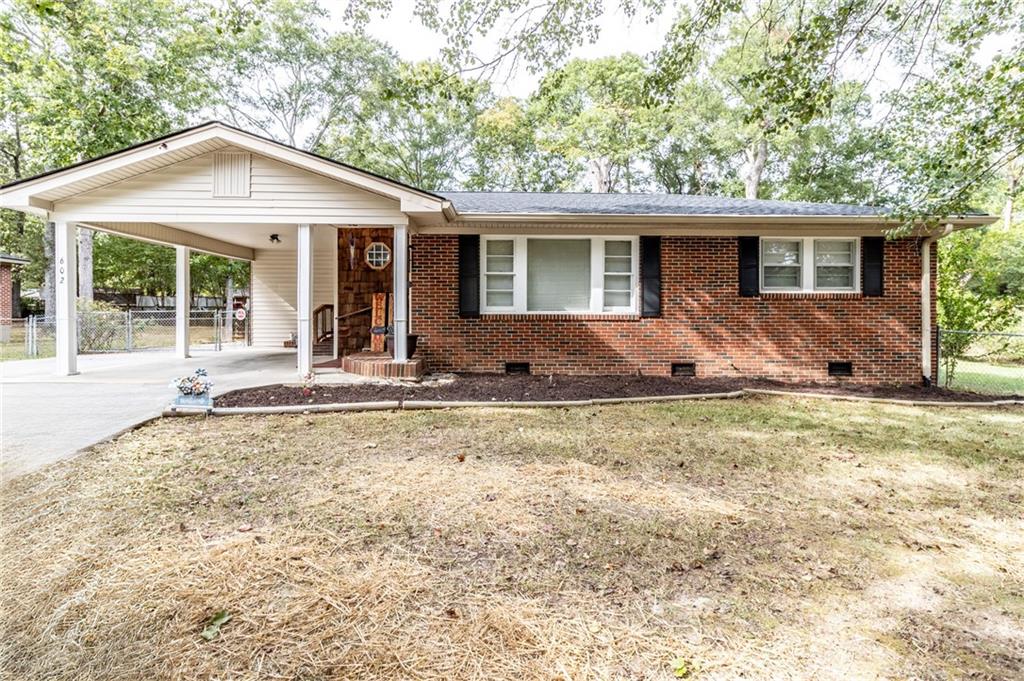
pixel 46 418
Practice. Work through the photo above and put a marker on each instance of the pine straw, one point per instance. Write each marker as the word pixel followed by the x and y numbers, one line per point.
pixel 773 539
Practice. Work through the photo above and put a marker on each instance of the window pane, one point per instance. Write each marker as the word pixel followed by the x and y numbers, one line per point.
pixel 781 277
pixel 502 247
pixel 499 263
pixel 829 252
pixel 616 282
pixel 834 277
pixel 616 298
pixel 618 265
pixel 618 248
pixel 499 299
pixel 557 275
pixel 780 252
pixel 499 282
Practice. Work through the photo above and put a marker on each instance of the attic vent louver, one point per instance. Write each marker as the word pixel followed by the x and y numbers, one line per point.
pixel 232 171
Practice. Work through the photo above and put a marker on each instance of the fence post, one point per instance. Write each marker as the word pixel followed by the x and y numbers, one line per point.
pixel 938 357
pixel 28 335
pixel 128 330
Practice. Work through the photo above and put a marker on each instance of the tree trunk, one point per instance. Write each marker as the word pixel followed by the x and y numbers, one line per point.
pixel 49 292
pixel 600 175
pixel 85 237
pixel 757 156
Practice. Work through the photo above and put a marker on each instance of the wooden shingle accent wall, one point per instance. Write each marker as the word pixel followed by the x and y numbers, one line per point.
pixel 357 282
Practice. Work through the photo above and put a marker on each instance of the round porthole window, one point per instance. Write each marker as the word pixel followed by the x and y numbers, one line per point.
pixel 378 255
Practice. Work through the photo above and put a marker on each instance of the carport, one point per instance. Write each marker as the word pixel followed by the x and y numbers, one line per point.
pixel 220 190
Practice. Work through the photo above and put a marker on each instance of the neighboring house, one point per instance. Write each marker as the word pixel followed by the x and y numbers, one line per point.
pixel 563 283
pixel 8 304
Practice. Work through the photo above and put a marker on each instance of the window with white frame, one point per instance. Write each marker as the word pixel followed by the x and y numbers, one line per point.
pixel 542 274
pixel 810 264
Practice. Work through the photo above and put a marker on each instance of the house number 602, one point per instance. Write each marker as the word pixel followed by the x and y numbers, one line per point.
pixel 60 270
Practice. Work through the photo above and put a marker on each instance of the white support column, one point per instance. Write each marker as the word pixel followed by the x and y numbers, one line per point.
pixel 400 269
pixel 65 256
pixel 182 300
pixel 304 299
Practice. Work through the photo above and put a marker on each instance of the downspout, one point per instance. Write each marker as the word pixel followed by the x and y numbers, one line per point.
pixel 926 305
pixel 926 310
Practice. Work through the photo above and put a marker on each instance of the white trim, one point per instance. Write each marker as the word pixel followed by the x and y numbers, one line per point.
pixel 808 265
pixel 182 300
pixel 304 299
pixel 400 286
pixel 519 267
pixel 65 256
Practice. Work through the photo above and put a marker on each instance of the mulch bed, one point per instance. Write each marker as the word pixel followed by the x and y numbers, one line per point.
pixel 501 388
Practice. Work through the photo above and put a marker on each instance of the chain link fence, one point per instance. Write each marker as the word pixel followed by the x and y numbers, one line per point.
pixel 129 331
pixel 982 362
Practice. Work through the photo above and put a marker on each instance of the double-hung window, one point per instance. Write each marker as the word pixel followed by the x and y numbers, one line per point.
pixel 537 275
pixel 810 264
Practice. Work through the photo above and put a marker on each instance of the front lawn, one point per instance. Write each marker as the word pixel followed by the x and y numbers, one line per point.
pixel 767 538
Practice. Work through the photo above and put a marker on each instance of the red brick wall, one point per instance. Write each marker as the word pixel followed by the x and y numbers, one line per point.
pixel 5 293
pixel 704 320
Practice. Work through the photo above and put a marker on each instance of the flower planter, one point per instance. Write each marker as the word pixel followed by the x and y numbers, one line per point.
pixel 203 401
pixel 410 344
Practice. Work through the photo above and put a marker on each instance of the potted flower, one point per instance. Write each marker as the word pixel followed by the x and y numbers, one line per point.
pixel 193 390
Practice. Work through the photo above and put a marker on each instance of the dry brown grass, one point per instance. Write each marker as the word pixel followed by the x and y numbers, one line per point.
pixel 769 538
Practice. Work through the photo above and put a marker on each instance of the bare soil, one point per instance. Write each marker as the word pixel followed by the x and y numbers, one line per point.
pixel 530 388
pixel 774 538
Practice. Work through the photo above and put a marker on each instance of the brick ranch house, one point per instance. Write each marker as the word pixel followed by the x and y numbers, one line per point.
pixel 7 290
pixel 489 282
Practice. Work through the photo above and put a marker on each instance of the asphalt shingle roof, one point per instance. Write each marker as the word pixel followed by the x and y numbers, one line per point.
pixel 642 204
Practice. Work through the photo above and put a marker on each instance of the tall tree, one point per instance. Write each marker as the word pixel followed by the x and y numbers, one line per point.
pixel 86 77
pixel 593 112
pixel 290 79
pixel 416 125
pixel 507 156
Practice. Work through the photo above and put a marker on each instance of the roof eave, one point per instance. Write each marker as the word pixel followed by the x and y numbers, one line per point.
pixel 674 218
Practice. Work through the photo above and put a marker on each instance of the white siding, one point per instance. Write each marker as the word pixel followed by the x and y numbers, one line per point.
pixel 274 284
pixel 184 192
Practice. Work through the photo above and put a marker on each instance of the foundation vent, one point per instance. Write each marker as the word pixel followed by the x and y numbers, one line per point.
pixel 840 368
pixel 684 369
pixel 517 368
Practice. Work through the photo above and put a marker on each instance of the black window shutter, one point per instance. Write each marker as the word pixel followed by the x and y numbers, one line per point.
pixel 650 276
pixel 748 248
pixel 469 275
pixel 873 258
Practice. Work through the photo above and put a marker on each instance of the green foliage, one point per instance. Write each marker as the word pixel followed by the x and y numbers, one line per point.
pixel 592 112
pixel 289 78
pixel 979 290
pixel 123 264
pixel 416 126
pixel 506 155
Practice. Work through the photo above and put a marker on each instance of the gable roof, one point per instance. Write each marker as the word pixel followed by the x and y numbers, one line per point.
pixel 59 183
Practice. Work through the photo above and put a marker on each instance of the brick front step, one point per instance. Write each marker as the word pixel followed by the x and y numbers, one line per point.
pixel 380 365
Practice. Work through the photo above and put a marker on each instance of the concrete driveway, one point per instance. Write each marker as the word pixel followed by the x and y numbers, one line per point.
pixel 46 418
